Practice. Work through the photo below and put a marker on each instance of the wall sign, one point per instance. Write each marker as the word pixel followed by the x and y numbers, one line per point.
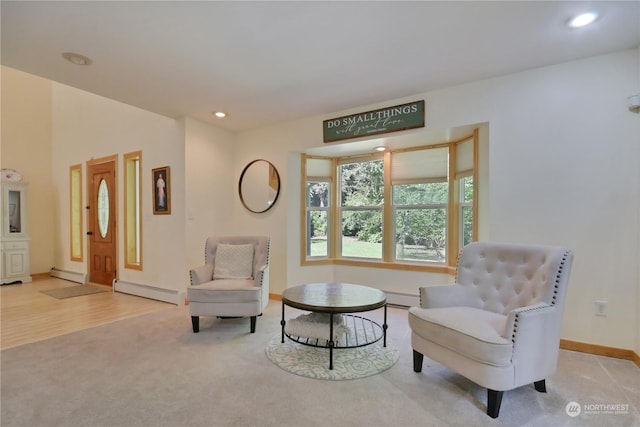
pixel 384 120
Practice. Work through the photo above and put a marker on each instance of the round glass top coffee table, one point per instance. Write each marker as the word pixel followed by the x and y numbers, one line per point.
pixel 333 299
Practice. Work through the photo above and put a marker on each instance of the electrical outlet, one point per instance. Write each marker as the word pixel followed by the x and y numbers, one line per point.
pixel 600 308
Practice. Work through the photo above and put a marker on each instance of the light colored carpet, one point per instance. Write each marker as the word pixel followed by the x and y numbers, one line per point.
pixel 152 371
pixel 313 362
pixel 73 291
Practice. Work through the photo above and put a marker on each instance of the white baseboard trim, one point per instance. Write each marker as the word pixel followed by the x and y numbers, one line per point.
pixel 69 275
pixel 151 292
pixel 402 299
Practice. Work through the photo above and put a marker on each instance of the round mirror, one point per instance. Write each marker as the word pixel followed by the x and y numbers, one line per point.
pixel 259 186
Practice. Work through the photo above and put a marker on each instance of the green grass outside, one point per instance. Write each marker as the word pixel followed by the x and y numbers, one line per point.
pixel 352 247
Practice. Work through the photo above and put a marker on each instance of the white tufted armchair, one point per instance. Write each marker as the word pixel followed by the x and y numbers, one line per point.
pixel 233 282
pixel 499 324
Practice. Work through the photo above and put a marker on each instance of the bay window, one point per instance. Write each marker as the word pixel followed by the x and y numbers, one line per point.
pixel 411 208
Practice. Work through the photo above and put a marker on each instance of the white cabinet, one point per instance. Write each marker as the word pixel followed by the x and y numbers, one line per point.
pixel 14 236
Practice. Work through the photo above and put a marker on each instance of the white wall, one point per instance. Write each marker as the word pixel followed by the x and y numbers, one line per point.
pixel 564 165
pixel 87 126
pixel 210 186
pixel 564 160
pixel 25 146
pixel 637 317
pixel 272 144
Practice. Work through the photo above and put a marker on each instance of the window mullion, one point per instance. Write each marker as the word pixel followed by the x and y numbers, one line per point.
pixel 476 183
pixel 388 222
pixel 452 211
pixel 334 217
pixel 423 206
pixel 304 241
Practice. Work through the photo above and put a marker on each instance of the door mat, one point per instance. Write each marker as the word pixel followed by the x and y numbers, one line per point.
pixel 73 291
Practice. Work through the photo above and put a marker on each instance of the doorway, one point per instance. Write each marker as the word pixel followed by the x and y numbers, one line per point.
pixel 102 220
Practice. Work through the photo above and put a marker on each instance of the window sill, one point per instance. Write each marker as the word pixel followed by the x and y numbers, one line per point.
pixel 429 268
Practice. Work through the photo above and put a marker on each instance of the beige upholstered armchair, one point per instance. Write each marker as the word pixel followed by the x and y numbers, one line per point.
pixel 234 282
pixel 499 324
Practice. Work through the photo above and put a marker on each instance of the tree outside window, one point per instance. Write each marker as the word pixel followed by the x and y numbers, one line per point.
pixel 361 202
pixel 421 221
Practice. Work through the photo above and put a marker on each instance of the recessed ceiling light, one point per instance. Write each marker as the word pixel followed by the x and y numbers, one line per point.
pixel 583 19
pixel 220 114
pixel 381 148
pixel 76 58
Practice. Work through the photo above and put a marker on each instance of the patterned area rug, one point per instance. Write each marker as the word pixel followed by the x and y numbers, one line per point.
pixel 73 291
pixel 348 364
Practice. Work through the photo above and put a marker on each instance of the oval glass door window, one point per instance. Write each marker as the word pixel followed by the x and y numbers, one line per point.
pixel 103 208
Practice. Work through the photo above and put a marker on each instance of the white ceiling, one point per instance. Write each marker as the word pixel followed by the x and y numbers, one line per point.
pixel 266 62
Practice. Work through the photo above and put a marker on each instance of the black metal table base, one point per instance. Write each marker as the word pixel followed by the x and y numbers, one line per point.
pixel 364 332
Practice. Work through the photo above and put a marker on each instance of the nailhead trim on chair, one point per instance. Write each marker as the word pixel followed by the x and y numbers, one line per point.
pixel 517 318
pixel 557 281
pixel 458 264
pixel 268 252
pixel 206 250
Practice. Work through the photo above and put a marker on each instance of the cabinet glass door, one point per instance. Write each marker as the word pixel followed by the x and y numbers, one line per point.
pixel 15 224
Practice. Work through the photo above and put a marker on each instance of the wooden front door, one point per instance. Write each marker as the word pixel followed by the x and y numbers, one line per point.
pixel 102 233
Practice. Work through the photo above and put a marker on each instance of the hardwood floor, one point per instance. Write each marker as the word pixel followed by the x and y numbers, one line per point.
pixel 28 315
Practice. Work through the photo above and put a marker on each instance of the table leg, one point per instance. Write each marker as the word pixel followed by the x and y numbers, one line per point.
pixel 282 323
pixel 384 327
pixel 331 343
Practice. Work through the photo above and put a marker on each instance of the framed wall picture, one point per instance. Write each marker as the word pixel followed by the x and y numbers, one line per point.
pixel 161 190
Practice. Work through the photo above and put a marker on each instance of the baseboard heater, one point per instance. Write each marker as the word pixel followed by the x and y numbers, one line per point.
pixel 402 299
pixel 69 275
pixel 151 292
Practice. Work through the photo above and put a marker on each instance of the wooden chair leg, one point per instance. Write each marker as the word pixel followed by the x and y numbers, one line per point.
pixel 195 322
pixel 540 386
pixel 417 361
pixel 253 324
pixel 494 399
